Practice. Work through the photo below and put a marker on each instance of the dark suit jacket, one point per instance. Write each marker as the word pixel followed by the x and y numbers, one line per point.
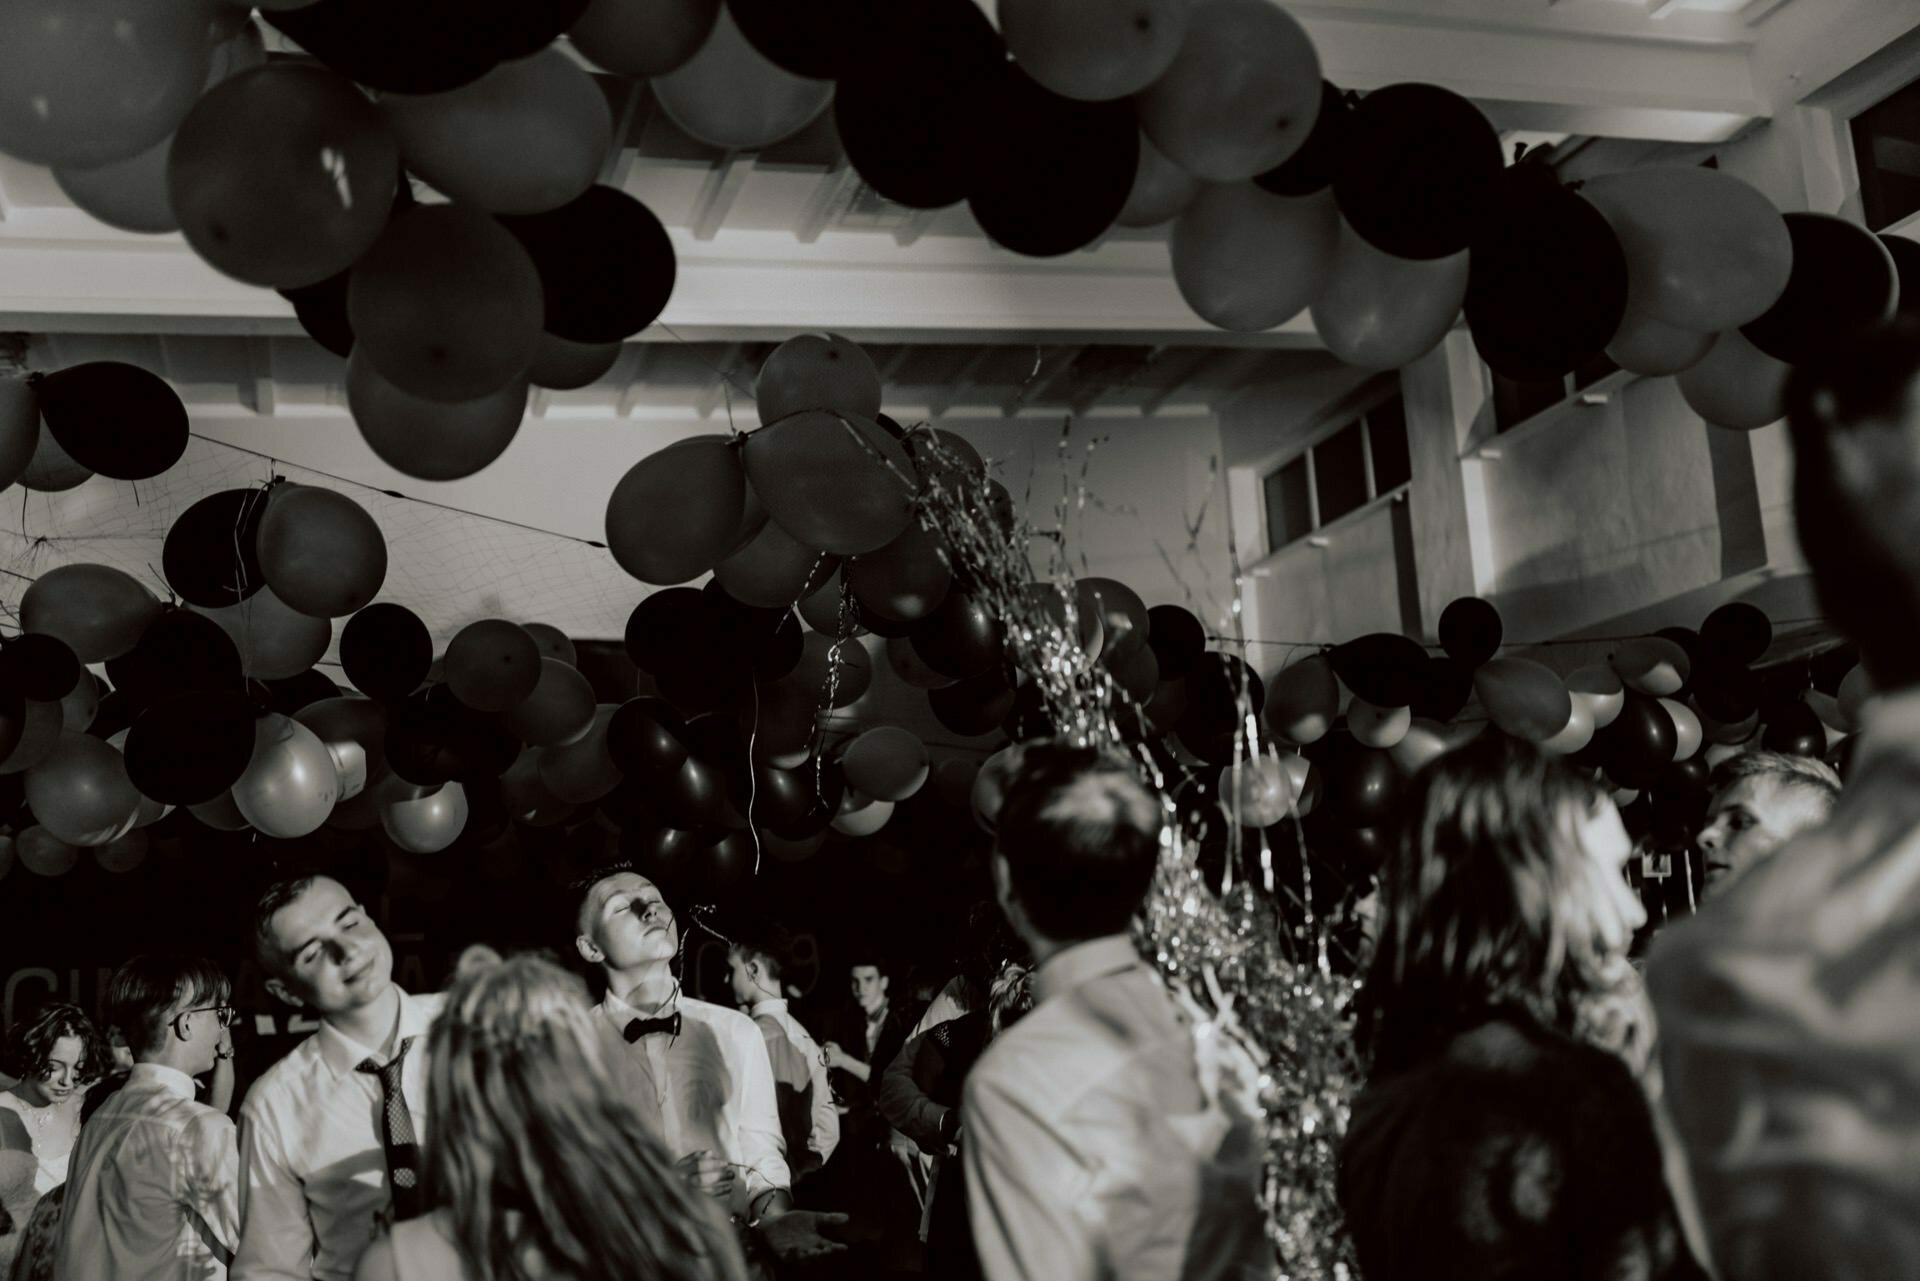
pixel 863 1123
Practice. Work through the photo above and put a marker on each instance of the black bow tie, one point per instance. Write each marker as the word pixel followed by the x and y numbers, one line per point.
pixel 637 1028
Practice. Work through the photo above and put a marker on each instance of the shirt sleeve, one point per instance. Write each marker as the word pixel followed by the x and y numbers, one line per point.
pixel 276 1233
pixel 903 1095
pixel 212 1162
pixel 1020 1178
pixel 757 1119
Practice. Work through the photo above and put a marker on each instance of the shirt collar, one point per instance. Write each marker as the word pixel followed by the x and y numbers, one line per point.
pixel 343 1054
pixel 620 1010
pixel 772 1005
pixel 1892 725
pixel 1071 967
pixel 168 1080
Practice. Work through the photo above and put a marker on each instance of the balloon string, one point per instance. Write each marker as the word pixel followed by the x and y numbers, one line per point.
pixel 753 776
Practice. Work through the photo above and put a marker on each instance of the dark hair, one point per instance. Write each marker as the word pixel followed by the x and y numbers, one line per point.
pixel 280 894
pixel 1473 902
pixel 30 1048
pixel 1080 836
pixel 769 947
pixel 1855 425
pixel 144 990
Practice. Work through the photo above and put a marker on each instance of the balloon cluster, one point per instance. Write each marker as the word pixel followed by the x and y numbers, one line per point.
pixel 167 116
pixel 100 418
pixel 1652 720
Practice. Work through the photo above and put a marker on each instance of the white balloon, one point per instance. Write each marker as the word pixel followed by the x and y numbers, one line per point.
pixel 1687 730
pixel 1577 733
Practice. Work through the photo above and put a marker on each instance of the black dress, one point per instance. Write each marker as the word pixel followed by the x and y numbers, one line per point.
pixel 1511 1153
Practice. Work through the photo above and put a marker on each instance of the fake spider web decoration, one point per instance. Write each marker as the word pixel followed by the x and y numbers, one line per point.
pixel 448 566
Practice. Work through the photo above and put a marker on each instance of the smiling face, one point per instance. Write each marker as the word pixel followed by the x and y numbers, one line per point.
pixel 625 923
pixel 328 954
pixel 61 1080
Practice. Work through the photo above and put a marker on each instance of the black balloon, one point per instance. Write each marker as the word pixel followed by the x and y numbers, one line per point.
pixel 532 25
pixel 825 788
pixel 423 46
pixel 1382 668
pixel 13 722
pixel 695 797
pixel 114 418
pixel 909 114
pixel 1445 688
pixel 1547 283
pixel 770 638
pixel 1470 631
pixel 432 737
pixel 1830 667
pixel 292 693
pixel 188 748
pixel 1639 744
pixel 716 740
pixel 1419 172
pixel 1313 167
pixel 180 650
pixel 821 40
pixel 960 639
pixel 38 667
pixel 1906 267
pixel 662 625
pixel 1692 772
pixel 1221 690
pixel 1794 728
pixel 1051 174
pixel 664 855
pixel 114 715
pixel 605 262
pixel 1738 632
pixel 386 651
pixel 1725 692
pixel 1689 642
pixel 1363 784
pixel 1843 284
pixel 974 706
pixel 646 739
pixel 1177 639
pixel 779 799
pixel 210 558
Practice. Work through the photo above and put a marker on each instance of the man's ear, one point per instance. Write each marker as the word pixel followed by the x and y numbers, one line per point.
pixel 589 950
pixel 284 993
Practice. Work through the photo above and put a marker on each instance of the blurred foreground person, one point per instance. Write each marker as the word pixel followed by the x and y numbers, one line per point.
pixel 1091 1149
pixel 536 1163
pixel 1790 1005
pixel 1502 1131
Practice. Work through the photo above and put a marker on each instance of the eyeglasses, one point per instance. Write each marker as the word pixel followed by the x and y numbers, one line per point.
pixel 224 1013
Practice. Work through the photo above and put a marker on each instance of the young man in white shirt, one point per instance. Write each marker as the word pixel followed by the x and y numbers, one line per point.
pixel 154 1188
pixel 712 1079
pixel 1092 1150
pixel 329 1136
pixel 807 1116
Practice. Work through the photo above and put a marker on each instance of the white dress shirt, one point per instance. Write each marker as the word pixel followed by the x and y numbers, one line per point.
pixel 314 1167
pixel 1091 1149
pixel 824 1121
pixel 714 1091
pixel 154 1193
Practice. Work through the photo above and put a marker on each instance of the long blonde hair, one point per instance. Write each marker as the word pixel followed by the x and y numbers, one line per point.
pixel 542 1165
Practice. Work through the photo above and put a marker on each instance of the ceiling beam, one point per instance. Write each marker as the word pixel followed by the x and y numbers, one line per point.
pixel 260 365
pixel 958 385
pixel 1647 82
pixel 717 194
pixel 1049 370
pixel 60 270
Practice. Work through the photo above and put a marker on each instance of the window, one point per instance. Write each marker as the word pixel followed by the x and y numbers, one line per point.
pixel 1366 459
pixel 1514 401
pixel 1289 503
pixel 1886 150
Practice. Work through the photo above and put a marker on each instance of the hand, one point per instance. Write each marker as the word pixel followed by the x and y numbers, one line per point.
pixel 224 1051
pixel 801 1234
pixel 707 1172
pixel 836 1057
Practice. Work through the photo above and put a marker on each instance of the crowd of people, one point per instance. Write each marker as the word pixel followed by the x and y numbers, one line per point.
pixel 1536 1102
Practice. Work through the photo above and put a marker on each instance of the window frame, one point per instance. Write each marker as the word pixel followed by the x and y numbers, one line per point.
pixel 1350 412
